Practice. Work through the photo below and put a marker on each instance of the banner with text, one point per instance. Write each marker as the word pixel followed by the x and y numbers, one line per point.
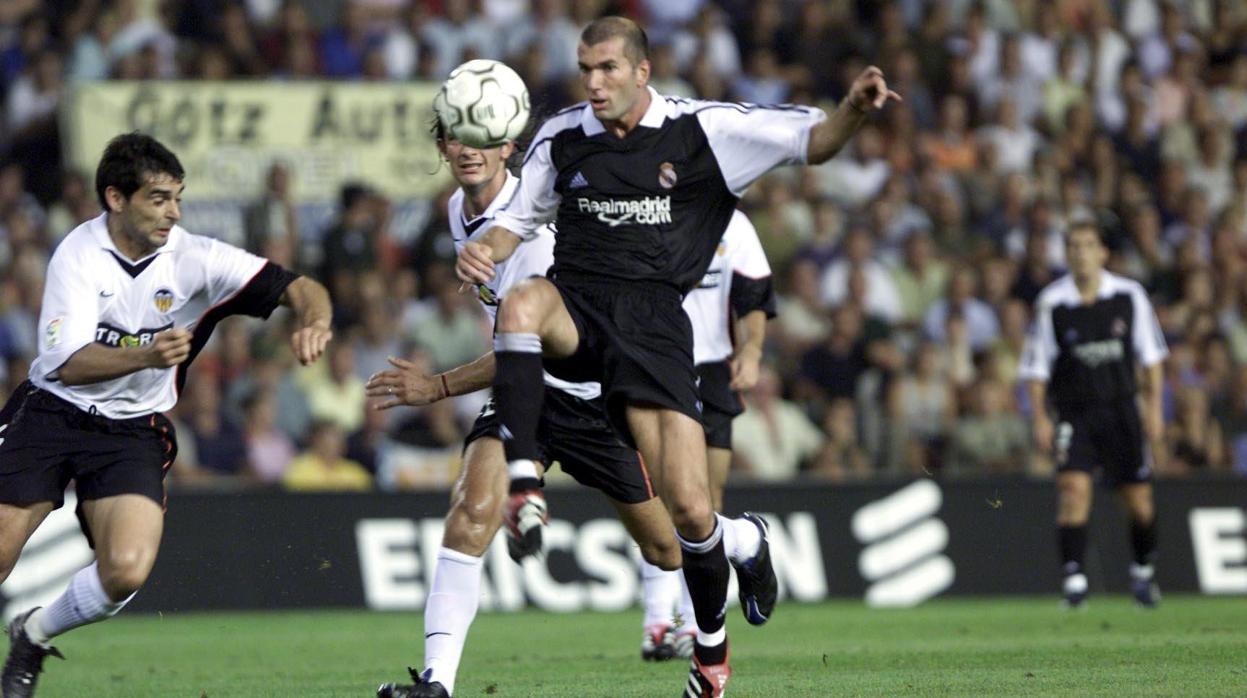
pixel 228 133
pixel 890 545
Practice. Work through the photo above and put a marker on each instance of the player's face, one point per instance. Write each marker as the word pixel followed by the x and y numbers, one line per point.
pixel 150 213
pixel 1085 253
pixel 472 167
pixel 611 82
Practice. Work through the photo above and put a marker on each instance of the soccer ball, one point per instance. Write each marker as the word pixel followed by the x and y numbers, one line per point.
pixel 483 104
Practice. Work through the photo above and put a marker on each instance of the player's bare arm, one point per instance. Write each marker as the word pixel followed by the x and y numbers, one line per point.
pixel 1041 424
pixel 96 363
pixel 1151 390
pixel 869 93
pixel 476 261
pixel 310 301
pixel 406 384
pixel 748 352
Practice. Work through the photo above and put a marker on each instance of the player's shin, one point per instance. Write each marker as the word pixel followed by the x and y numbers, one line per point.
pixel 706 573
pixel 448 614
pixel 84 602
pixel 519 390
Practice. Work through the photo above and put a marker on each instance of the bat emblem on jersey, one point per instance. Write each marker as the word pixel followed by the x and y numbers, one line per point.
pixel 666 175
pixel 163 300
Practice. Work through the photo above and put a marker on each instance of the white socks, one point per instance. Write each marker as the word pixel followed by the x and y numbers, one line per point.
pixel 740 538
pixel 448 613
pixel 659 589
pixel 84 602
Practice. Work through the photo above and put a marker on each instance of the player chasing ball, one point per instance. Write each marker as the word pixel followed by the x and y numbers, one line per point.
pixel 131 298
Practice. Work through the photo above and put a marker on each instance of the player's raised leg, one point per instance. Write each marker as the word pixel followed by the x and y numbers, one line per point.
pixel 1137 497
pixel 1073 511
pixel 126 529
pixel 532 321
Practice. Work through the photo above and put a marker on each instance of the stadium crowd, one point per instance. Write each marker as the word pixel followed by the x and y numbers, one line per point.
pixel 906 266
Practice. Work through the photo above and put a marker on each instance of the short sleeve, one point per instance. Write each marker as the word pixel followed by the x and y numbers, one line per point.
pixel 70 312
pixel 251 285
pixel 535 202
pixel 1148 339
pixel 752 288
pixel 750 140
pixel 1040 349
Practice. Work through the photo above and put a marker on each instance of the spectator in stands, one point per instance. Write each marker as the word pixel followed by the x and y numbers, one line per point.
pixel 335 393
pixel 219 443
pixel 324 466
pixel 269 451
pixel 992 439
pixel 454 333
pixel 842 456
pixel 882 298
pixel 774 437
pixel 921 409
pixel 982 326
pixel 272 222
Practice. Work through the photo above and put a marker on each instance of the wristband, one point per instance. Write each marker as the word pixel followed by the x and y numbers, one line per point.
pixel 445 387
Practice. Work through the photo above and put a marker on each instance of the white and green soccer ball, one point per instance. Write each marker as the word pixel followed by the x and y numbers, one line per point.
pixel 483 104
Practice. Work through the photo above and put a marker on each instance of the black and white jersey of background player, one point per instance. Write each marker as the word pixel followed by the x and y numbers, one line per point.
pixel 649 210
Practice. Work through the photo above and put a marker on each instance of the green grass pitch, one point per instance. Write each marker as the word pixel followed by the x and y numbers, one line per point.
pixel 1191 646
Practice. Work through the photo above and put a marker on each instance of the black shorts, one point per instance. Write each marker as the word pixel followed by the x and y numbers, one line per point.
pixel 47 442
pixel 719 403
pixel 1106 436
pixel 575 434
pixel 635 339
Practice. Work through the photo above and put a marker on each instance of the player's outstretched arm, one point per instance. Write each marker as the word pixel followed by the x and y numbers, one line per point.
pixel 868 93
pixel 406 384
pixel 477 259
pixel 310 301
pixel 96 363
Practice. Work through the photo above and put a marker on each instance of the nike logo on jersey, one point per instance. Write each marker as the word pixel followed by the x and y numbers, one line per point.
pixel 429 635
pixel 106 294
pixel 578 181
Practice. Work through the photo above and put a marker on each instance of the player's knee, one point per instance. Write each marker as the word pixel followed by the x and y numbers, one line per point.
pixel 522 309
pixel 694 516
pixel 124 572
pixel 664 555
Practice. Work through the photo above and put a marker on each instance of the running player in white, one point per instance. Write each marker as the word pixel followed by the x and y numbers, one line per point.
pixel 728 310
pixel 574 432
pixel 131 298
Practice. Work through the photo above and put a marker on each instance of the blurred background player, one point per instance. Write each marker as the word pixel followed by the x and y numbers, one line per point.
pixel 728 310
pixel 131 298
pixel 574 432
pixel 1093 329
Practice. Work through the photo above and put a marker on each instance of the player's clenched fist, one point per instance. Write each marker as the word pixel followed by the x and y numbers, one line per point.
pixel 169 348
pixel 475 263
pixel 309 342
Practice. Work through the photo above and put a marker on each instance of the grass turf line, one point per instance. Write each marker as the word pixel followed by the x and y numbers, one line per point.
pixel 1191 646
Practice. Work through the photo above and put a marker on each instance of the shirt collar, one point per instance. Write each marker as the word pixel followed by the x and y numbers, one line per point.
pixel 99 230
pixel 654 116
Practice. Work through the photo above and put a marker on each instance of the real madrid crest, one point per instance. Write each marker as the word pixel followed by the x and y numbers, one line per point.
pixel 163 300
pixel 666 175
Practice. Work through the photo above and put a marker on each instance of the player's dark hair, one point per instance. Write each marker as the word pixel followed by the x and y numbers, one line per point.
pixel 1086 224
pixel 131 159
pixel 636 43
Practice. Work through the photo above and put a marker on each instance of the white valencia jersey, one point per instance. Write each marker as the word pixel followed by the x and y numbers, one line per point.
pixel 708 305
pixel 93 293
pixel 533 257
